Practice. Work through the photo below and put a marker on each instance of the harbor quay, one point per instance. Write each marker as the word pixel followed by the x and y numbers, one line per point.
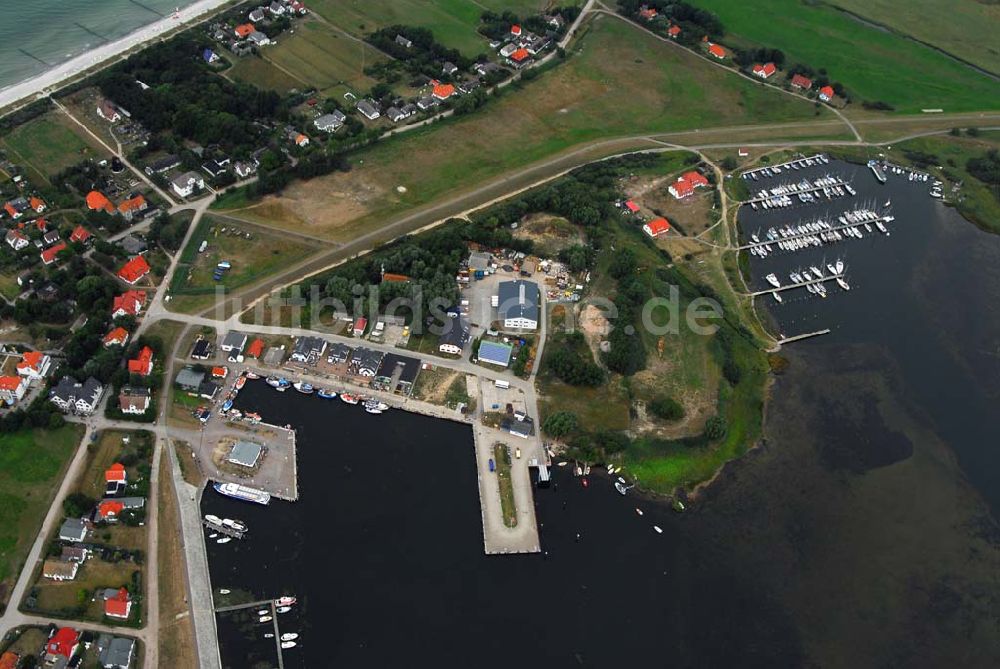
pixel 274 468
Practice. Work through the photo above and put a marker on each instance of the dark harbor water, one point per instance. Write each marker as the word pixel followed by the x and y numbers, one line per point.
pixel 858 535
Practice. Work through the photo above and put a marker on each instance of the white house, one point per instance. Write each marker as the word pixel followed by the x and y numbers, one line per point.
pixel 16 240
pixel 185 184
pixel 12 389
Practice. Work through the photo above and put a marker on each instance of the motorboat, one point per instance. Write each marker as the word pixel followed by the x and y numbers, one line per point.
pixel 215 520
pixel 303 387
pixel 373 409
pixel 265 619
pixel 213 535
pixel 237 525
pixel 227 405
pixel 832 268
pixel 224 591
pixel 777 297
pixel 285 645
pixel 773 280
pixel 638 510
pixel 289 636
pixel 658 529
pixel 843 284
pixel 349 399
pixel 326 394
pixel 283 609
pixel 839 265
pixel 263 612
pixel 223 540
pixel 620 488
pixel 240 382
pixel 273 381
pixel 253 376
pixel 815 270
pixel 245 493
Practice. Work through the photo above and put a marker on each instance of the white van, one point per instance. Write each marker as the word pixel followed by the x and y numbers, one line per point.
pixel 500 383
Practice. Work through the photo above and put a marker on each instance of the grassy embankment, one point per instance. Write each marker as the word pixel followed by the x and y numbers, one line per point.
pixel 962 28
pixel 501 456
pixel 176 633
pixel 873 64
pixel 31 465
pixel 618 82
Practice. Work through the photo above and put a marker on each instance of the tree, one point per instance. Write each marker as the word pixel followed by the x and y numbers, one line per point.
pixel 560 423
pixel 77 504
pixel 715 428
pixel 666 408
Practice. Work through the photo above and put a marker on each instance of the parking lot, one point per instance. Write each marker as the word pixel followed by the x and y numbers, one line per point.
pixel 497 399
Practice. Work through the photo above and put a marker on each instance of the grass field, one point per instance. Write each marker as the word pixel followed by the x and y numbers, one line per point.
pixel 30 464
pixel 251 258
pixel 872 63
pixel 622 83
pixel 176 633
pixel 453 22
pixel 324 58
pixel 8 285
pixel 48 144
pixel 964 28
pixel 63 598
pixel 260 73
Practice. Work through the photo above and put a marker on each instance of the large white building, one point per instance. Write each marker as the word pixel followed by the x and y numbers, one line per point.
pixel 517 304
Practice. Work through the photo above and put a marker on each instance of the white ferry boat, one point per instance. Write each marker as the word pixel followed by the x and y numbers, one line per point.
pixel 242 492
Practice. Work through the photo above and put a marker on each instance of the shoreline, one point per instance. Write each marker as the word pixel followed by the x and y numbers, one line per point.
pixel 52 80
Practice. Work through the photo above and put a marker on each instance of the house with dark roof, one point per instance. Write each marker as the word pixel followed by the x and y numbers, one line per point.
pixel 330 122
pixel 455 336
pixel 189 379
pixel 523 428
pixel 517 304
pixel 73 530
pixel 202 349
pixel 369 108
pixel 233 342
pixel 308 349
pixel 365 362
pixel 495 353
pixel 115 652
pixel 338 353
pixel 398 371
pixel 72 396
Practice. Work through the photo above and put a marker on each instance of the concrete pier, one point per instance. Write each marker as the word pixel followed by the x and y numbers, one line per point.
pixel 497 537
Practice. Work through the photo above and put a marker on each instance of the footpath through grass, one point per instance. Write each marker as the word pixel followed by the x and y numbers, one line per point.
pixel 31 462
pixel 872 63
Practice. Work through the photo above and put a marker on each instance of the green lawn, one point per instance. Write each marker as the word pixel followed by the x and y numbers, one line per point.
pixel 324 58
pixel 8 285
pixel 873 64
pixel 262 74
pixel 964 28
pixel 30 464
pixel 622 83
pixel 453 22
pixel 48 144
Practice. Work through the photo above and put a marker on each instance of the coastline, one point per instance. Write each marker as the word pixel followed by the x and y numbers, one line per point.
pixel 53 79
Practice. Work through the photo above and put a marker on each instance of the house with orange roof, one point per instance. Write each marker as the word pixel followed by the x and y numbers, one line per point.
pixel 118 336
pixel 41 224
pixel 657 227
pixel 519 58
pixel 16 240
pixel 133 270
pixel 717 51
pixel 61 647
pixel 79 235
pixel 244 30
pixel 9 660
pixel 116 474
pixel 300 139
pixel 673 31
pixel 443 91
pixel 37 203
pixel 798 81
pixel 118 605
pixel 130 207
pixel 49 254
pixel 220 372
pixel 256 348
pixel 515 30
pixel 34 365
pixel 764 71
pixel 12 211
pixel 12 389
pixel 96 200
pixel 826 93
pixel 686 184
pixel 109 510
pixel 129 303
pixel 143 364
pixel 647 13
pixel 631 206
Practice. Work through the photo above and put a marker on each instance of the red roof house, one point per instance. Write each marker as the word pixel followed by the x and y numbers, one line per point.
pixel 133 270
pixel 63 643
pixel 143 364
pixel 674 31
pixel 647 13
pixel 244 30
pixel 256 348
pixel 128 303
pixel 764 71
pixel 686 183
pixel 826 93
pixel 9 660
pixel 79 234
pixel 631 206
pixel 443 91
pixel 717 51
pixel 97 200
pixel 115 473
pixel 11 211
pixel 220 372
pixel 520 56
pixel 109 510
pixel 129 207
pixel 119 605
pixel 37 203
pixel 515 30
pixel 117 336
pixel 33 364
pixel 805 83
pixel 656 227
pixel 359 326
pixel 49 254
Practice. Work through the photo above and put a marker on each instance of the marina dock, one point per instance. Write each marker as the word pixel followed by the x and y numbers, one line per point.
pixel 803 235
pixel 269 603
pixel 792 286
pixel 793 190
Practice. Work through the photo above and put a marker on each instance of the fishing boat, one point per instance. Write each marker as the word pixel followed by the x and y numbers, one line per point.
pixel 215 520
pixel 777 297
pixel 348 399
pixel 223 540
pixel 273 381
pixel 283 609
pixel 253 376
pixel 285 645
pixel 227 405
pixel 326 394
pixel 240 382
pixel 303 387
pixel 242 492
pixel 265 619
pixel 289 636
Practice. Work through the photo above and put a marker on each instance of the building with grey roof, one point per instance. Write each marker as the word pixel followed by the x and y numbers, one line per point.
pixel 189 379
pixel 73 529
pixel 245 454
pixel 116 652
pixel 517 304
pixel 330 122
pixel 308 349
pixel 234 341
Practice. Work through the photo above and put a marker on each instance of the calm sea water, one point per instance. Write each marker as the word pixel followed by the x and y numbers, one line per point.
pixel 859 535
pixel 36 36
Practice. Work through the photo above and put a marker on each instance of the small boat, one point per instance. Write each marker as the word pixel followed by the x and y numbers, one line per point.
pixel 611 469
pixel 839 265
pixel 269 635
pixel 227 405
pixel 223 540
pixel 585 482
pixel 263 612
pixel 843 284
pixel 818 272
pixel 326 394
pixel 224 591
pixel 283 609
pixel 285 645
pixel 273 381
pixel 253 416
pixel 289 636
pixel 265 619
pixel 237 525
pixel 348 399
pixel 562 463
pixel 620 488
pixel 777 297
pixel 303 387
pixel 773 280
pixel 373 409
pixel 638 510
pixel 240 382
pixel 253 376
pixel 213 535
pixel 658 529
pixel 285 601
pixel 215 520
pixel 621 480
pixel 832 268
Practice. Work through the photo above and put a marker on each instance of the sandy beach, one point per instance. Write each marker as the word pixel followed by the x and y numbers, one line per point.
pixel 57 76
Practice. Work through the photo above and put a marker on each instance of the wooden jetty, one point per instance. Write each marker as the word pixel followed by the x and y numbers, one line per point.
pixel 803 235
pixel 791 286
pixel 794 193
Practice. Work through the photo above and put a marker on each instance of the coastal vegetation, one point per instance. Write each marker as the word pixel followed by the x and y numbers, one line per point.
pixel 31 463
pixel 501 457
pixel 176 632
pixel 873 64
